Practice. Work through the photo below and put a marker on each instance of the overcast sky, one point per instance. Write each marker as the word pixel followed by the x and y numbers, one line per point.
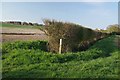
pixel 89 14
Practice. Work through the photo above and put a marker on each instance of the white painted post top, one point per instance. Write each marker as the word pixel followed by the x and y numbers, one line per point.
pixel 60 41
pixel 60 47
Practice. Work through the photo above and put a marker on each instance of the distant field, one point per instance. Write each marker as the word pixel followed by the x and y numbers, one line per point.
pixel 12 32
pixel 20 30
pixel 11 38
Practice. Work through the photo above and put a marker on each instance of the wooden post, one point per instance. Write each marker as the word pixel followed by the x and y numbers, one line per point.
pixel 60 47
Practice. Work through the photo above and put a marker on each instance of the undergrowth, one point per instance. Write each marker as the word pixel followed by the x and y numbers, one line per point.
pixel 30 60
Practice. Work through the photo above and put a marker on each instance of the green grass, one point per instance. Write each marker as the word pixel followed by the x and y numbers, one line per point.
pixel 99 61
pixel 8 46
pixel 19 26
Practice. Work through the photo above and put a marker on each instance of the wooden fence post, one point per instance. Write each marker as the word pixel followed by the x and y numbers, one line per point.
pixel 60 47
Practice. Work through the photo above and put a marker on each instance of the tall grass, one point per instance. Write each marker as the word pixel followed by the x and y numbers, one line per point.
pixel 9 46
pixel 96 62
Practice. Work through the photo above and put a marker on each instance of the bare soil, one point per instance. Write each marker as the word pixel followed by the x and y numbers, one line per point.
pixel 21 30
pixel 17 34
pixel 8 38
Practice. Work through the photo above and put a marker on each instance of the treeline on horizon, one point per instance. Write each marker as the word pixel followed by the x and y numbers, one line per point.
pixel 111 29
pixel 22 23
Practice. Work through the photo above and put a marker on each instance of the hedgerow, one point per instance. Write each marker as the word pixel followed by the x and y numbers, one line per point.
pixel 75 37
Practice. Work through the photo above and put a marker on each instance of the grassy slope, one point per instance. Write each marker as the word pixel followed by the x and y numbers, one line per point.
pixel 100 61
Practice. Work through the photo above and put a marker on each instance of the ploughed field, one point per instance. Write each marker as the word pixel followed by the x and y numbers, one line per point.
pixel 29 59
pixel 14 32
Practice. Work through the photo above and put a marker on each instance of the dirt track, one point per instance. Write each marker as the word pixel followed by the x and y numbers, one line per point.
pixel 38 35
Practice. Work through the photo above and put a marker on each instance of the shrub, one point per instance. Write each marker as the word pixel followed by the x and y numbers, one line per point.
pixel 75 37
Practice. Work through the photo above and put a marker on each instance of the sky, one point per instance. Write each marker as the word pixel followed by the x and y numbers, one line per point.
pixel 59 0
pixel 89 14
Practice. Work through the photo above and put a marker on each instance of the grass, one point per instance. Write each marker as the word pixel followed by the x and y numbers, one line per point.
pixel 8 46
pixel 100 61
